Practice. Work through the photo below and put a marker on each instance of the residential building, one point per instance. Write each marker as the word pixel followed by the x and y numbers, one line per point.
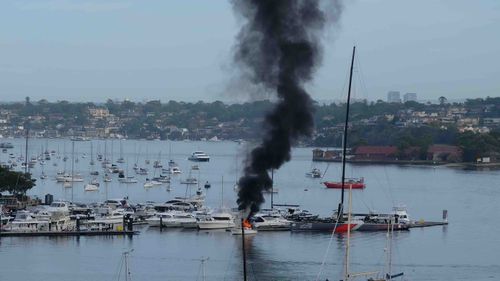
pixel 394 96
pixel 410 97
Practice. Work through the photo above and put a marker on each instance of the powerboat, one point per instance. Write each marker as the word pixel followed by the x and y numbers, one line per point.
pixel 199 156
pixel 162 179
pixel 217 220
pixel 315 173
pixel 349 183
pixel 398 220
pixel 91 187
pixel 262 221
pixel 129 179
pixel 25 222
pixel 173 219
pixel 175 170
pixel 189 180
pixel 246 227
pixel 69 178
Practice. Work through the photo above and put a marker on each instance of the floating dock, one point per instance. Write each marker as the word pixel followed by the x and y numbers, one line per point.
pixel 66 233
pixel 416 224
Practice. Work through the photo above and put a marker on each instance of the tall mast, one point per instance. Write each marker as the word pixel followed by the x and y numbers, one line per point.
pixel 91 153
pixel 347 248
pixel 72 167
pixel 243 250
pixel 222 193
pixel 344 146
pixel 26 168
pixel 272 189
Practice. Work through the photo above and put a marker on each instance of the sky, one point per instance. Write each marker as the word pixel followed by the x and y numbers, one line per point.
pixel 92 50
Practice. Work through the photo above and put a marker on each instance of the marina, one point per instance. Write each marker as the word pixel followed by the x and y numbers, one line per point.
pixel 159 246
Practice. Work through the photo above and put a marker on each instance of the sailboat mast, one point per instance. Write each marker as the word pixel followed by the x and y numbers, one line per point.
pixel 127 272
pixel 243 250
pixel 390 232
pixel 344 145
pixel 347 248
pixel 26 168
pixel 72 167
pixel 91 153
pixel 272 189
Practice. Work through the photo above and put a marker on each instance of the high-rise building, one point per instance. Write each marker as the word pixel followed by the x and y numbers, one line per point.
pixel 410 97
pixel 393 96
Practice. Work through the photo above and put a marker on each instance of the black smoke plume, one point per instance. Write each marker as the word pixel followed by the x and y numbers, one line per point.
pixel 278 50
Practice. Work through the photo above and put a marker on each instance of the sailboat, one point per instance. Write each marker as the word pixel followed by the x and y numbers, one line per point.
pixel 124 263
pixel 93 172
pixel 121 160
pixel 387 275
pixel 157 164
pixel 93 185
pixel 107 178
pixel 336 223
pixel 388 266
pixel 126 178
pixel 92 163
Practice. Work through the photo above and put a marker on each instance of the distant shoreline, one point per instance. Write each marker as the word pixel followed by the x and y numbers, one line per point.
pixel 415 163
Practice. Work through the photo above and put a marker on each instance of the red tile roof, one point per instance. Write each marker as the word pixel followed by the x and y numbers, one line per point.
pixel 367 149
pixel 443 148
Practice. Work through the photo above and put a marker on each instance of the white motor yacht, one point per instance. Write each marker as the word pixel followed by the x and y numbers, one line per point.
pixel 199 156
pixel 129 179
pixel 175 170
pixel 151 183
pixel 248 231
pixel 189 180
pixel 270 222
pixel 314 173
pixel 69 178
pixel 218 220
pixel 155 220
pixel 91 187
pixel 58 207
pixel 25 222
pixel 173 219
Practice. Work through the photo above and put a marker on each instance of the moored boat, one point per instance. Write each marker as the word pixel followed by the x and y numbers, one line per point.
pixel 217 220
pixel 199 156
pixel 349 183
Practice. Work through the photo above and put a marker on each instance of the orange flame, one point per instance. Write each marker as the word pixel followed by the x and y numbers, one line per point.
pixel 247 224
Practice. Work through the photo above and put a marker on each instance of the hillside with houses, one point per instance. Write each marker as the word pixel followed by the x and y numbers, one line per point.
pixel 378 131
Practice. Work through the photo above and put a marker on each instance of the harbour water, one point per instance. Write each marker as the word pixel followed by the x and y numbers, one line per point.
pixel 467 249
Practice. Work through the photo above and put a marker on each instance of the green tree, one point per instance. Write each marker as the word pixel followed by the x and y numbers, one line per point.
pixel 15 182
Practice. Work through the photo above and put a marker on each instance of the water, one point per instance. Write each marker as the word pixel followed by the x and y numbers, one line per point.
pixel 467 249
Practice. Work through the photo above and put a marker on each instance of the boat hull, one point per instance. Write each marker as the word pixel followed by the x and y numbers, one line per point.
pixel 215 225
pixel 197 159
pixel 325 226
pixel 338 185
pixel 382 227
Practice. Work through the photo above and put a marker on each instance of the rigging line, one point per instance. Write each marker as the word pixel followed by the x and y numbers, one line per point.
pixel 342 91
pixel 361 78
pixel 326 169
pixel 120 269
pixel 198 273
pixel 327 251
pixel 362 199
pixel 389 186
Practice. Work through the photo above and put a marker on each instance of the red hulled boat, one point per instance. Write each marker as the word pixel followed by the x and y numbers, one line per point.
pixel 354 183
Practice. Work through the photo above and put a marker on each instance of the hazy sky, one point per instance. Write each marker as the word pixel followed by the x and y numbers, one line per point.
pixel 91 50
